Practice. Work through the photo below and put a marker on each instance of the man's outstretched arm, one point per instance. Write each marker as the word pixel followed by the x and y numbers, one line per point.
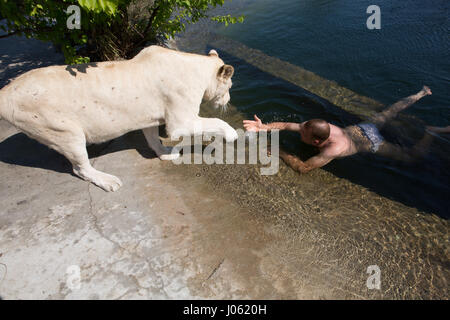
pixel 304 166
pixel 257 125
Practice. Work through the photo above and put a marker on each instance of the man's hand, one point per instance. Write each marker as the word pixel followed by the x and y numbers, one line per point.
pixel 255 126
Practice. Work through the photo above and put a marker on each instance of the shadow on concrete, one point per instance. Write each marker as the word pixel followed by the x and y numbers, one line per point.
pixel 19 55
pixel 22 151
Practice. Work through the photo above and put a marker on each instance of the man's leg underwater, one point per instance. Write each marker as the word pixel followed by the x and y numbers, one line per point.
pixel 380 118
pixel 439 129
pixel 408 155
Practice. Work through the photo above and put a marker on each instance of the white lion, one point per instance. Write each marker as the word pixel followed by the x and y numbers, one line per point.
pixel 66 107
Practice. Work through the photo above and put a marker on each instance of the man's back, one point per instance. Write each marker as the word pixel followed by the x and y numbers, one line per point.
pixel 339 144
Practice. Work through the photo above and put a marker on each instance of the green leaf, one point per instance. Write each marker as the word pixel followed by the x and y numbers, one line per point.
pixel 98 6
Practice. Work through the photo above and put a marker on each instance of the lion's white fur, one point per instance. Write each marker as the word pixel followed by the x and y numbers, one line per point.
pixel 66 107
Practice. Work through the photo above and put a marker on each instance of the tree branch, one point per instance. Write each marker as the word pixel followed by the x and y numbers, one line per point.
pixel 150 21
pixel 147 28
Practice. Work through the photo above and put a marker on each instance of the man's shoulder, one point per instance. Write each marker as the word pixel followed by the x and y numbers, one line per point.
pixel 335 148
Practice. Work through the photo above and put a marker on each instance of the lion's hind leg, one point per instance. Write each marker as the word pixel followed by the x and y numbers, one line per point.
pixel 72 145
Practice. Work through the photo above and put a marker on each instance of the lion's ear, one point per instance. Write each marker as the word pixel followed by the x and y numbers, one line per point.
pixel 225 72
pixel 213 53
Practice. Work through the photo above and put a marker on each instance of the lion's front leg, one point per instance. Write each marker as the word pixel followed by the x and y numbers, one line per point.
pixel 152 137
pixel 196 126
pixel 217 126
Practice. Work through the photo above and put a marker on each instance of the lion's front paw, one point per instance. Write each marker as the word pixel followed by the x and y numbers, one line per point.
pixel 231 135
pixel 170 156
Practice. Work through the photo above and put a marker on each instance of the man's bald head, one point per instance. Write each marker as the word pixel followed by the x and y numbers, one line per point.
pixel 318 131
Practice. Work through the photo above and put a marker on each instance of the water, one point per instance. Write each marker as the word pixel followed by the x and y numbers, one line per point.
pixel 296 60
pixel 330 39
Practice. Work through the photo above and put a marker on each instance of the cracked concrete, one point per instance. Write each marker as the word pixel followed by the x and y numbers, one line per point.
pixel 128 244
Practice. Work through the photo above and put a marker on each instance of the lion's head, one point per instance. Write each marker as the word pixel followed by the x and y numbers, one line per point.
pixel 218 92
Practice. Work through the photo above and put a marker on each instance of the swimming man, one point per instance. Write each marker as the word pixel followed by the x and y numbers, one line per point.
pixel 335 142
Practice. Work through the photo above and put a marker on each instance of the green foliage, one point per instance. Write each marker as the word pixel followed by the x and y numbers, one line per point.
pixel 108 7
pixel 110 29
pixel 173 15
